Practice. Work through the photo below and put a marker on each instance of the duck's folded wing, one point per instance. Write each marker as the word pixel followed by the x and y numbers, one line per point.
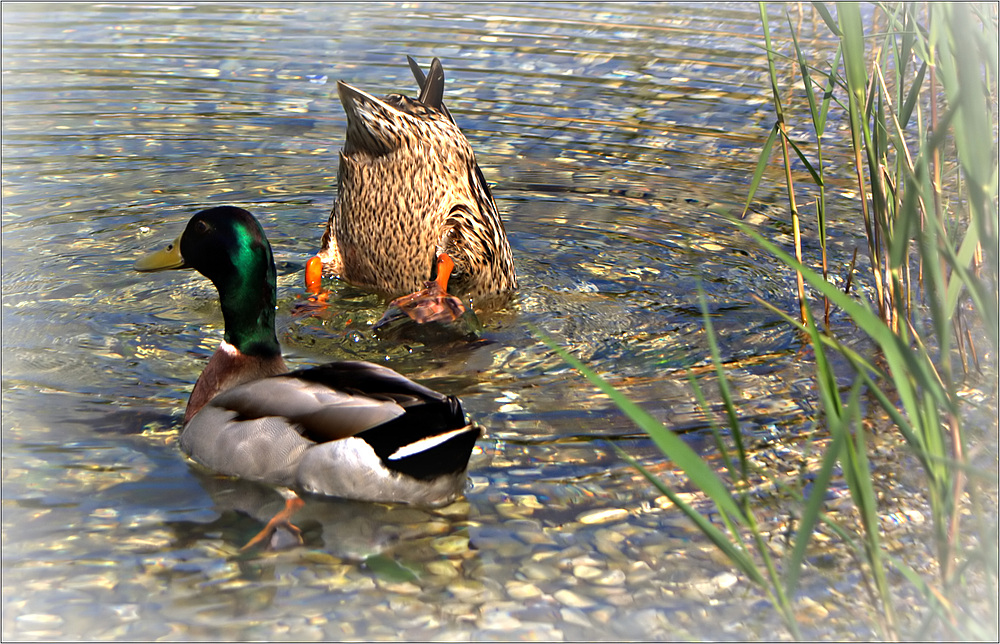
pixel 317 411
pixel 350 429
pixel 368 379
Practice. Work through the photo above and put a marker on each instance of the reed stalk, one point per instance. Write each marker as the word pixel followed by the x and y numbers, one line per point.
pixel 928 205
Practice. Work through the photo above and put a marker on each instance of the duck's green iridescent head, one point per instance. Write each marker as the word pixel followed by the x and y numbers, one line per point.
pixel 227 245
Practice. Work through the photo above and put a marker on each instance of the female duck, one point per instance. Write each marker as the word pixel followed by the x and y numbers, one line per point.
pixel 413 212
pixel 348 429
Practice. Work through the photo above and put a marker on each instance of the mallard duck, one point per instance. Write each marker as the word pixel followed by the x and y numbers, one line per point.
pixel 348 429
pixel 414 214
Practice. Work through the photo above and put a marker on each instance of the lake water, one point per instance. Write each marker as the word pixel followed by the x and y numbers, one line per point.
pixel 615 137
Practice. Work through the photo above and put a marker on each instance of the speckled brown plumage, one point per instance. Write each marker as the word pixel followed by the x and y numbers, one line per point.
pixel 409 188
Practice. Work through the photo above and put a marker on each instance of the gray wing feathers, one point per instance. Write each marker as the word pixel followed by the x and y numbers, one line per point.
pixel 323 414
pixel 262 430
pixel 261 449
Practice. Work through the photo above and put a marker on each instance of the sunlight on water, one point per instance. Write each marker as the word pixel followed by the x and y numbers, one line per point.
pixel 615 138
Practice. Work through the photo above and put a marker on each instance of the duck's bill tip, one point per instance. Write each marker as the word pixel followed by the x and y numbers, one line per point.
pixel 162 260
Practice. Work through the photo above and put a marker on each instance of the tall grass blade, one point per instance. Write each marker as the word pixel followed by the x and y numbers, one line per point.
pixel 830 21
pixel 735 553
pixel 724 392
pixel 758 173
pixel 816 177
pixel 811 513
pixel 857 474
pixel 699 473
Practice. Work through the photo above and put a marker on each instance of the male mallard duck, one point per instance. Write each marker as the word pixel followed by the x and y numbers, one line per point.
pixel 347 429
pixel 413 212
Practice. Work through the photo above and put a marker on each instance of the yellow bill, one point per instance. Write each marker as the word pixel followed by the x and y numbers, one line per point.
pixel 163 259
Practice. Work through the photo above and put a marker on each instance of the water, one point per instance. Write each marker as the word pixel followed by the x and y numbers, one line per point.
pixel 614 137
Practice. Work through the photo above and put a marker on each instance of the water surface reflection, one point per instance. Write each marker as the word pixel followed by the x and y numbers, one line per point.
pixel 614 136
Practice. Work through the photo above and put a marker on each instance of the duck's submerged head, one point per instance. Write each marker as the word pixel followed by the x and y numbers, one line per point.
pixel 409 189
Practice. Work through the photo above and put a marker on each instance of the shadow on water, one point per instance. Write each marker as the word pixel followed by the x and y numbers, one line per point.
pixel 615 137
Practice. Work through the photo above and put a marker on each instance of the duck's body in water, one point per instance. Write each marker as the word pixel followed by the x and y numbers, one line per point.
pixel 411 198
pixel 349 429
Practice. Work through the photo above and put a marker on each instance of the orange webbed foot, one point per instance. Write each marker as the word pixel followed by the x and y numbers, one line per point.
pixel 281 520
pixel 433 303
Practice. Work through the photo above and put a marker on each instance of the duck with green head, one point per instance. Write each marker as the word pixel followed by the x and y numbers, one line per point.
pixel 348 429
pixel 414 217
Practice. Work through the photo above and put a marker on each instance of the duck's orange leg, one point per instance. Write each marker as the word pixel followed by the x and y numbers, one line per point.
pixel 445 265
pixel 317 299
pixel 314 274
pixel 282 519
pixel 433 303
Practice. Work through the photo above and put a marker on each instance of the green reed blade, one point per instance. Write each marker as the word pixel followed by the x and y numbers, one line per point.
pixel 714 426
pixel 972 471
pixel 984 301
pixel 828 94
pixel 852 37
pixel 699 473
pixel 912 96
pixel 903 38
pixel 724 392
pixel 913 438
pixel 765 155
pixel 908 217
pixel 857 474
pixel 865 370
pixel 961 70
pixel 935 600
pixel 975 151
pixel 903 363
pixel 807 82
pixel 811 514
pixel 988 47
pixel 772 73
pixel 830 21
pixel 930 245
pixel 735 553
pixel 817 179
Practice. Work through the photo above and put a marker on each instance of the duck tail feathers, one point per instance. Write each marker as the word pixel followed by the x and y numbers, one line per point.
pixel 418 73
pixel 432 92
pixel 428 441
pixel 431 86
pixel 442 455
